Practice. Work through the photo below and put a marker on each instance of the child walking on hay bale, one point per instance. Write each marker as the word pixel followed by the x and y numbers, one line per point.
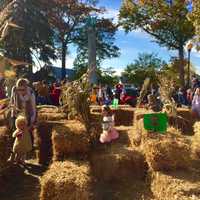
pixel 22 144
pixel 109 133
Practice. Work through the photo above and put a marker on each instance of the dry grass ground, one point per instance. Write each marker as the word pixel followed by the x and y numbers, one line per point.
pixel 23 184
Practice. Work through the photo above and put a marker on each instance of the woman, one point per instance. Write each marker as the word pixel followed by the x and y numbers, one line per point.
pixel 23 102
pixel 55 94
pixel 196 103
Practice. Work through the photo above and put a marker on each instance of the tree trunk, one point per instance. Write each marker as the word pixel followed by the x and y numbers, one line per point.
pixel 181 65
pixel 64 51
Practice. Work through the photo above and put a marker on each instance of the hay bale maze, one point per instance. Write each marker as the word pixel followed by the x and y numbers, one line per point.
pixel 139 165
pixel 68 139
pixel 66 180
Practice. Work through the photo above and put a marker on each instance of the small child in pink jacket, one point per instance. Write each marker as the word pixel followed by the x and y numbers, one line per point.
pixel 109 132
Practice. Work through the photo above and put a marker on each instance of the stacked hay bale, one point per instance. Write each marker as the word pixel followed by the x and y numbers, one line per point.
pixel 96 127
pixel 4 148
pixel 66 180
pixel 42 135
pixel 118 163
pixel 183 121
pixel 70 138
pixel 180 185
pixel 196 141
pixel 124 116
pixel 4 154
pixel 48 116
pixel 3 121
pixel 50 113
pixel 168 151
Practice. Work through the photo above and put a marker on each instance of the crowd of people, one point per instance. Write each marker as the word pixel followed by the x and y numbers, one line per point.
pixel 45 94
pixel 104 95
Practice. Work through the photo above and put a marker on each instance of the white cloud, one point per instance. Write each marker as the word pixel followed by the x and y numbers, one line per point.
pixel 111 14
pixel 118 71
pixel 57 63
pixel 69 62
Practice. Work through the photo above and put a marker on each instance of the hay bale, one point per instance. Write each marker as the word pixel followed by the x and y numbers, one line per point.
pixel 118 163
pixel 167 154
pixel 5 148
pixel 50 116
pixel 196 140
pixel 167 151
pixel 184 121
pixel 69 139
pixel 124 116
pixel 42 140
pixel 3 121
pixel 50 113
pixel 48 109
pixel 179 185
pixel 66 180
pixel 96 127
pixel 139 113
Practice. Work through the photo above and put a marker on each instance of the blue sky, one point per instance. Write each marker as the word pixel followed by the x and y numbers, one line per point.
pixel 131 44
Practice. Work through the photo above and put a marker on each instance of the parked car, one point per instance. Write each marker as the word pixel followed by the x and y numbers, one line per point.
pixel 129 96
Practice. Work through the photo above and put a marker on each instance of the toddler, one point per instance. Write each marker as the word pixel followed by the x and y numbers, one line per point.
pixel 22 144
pixel 109 132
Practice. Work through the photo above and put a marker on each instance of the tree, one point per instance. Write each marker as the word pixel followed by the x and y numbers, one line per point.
pixel 105 47
pixel 66 18
pixel 171 70
pixel 107 77
pixel 195 19
pixel 146 65
pixel 33 33
pixel 167 23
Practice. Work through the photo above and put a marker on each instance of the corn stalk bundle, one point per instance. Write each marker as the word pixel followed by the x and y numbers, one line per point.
pixel 166 93
pixel 143 91
pixel 74 99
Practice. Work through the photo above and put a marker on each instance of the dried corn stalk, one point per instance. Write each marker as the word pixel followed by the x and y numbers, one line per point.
pixel 166 92
pixel 143 91
pixel 74 99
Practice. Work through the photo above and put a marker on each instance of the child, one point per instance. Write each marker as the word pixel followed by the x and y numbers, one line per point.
pixel 22 144
pixel 109 133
